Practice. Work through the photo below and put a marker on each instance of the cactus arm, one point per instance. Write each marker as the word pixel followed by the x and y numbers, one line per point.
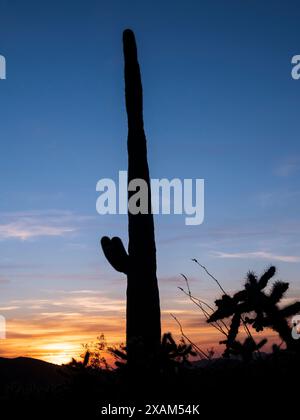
pixel 115 253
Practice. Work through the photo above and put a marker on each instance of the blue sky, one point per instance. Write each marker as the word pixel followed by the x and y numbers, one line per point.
pixel 219 104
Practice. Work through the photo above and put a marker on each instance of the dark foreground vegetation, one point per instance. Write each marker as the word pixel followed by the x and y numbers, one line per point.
pixel 265 386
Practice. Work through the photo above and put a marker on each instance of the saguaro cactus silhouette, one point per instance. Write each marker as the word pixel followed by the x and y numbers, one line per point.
pixel 143 329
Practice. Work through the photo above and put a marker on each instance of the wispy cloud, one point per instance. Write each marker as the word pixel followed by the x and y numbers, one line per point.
pixel 278 198
pixel 26 225
pixel 288 167
pixel 8 308
pixel 22 230
pixel 258 255
pixel 85 301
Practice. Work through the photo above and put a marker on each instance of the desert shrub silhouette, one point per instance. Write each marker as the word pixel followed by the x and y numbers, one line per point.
pixel 143 328
pixel 261 310
pixel 171 355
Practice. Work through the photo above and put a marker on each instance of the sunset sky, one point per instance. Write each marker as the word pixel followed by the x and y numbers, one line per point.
pixel 219 104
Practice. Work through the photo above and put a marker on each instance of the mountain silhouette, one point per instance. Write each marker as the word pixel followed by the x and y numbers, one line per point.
pixel 26 371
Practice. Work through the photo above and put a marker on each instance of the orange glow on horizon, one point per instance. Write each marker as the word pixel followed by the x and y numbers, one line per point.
pixel 55 327
pixel 60 345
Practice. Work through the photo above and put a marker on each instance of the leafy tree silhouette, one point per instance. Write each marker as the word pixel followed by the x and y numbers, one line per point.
pixel 264 306
pixel 143 328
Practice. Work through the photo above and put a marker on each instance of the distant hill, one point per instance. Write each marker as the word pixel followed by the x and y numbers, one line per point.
pixel 27 371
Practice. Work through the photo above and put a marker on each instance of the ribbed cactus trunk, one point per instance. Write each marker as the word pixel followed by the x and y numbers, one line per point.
pixel 143 329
